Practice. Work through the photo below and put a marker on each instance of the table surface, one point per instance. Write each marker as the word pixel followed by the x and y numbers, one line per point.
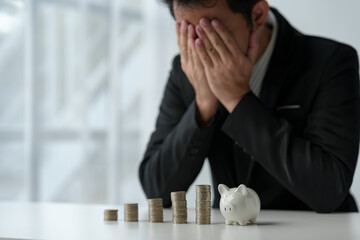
pixel 71 221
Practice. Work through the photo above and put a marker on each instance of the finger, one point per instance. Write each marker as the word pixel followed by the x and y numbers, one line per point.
pixel 215 39
pixel 177 26
pixel 226 37
pixel 183 41
pixel 253 48
pixel 203 54
pixel 207 44
pixel 196 58
pixel 190 39
pixel 191 31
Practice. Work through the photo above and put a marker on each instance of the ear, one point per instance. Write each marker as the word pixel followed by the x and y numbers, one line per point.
pixel 242 189
pixel 223 189
pixel 259 14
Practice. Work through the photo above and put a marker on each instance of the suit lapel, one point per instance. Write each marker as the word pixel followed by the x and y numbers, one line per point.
pixel 276 74
pixel 279 63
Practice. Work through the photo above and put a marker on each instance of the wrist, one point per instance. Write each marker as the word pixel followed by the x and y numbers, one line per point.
pixel 231 105
pixel 206 111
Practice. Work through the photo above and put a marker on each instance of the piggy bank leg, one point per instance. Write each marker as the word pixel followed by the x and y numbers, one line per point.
pixel 253 220
pixel 228 222
pixel 243 223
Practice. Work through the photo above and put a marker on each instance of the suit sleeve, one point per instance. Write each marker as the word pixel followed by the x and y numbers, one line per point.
pixel 177 148
pixel 317 166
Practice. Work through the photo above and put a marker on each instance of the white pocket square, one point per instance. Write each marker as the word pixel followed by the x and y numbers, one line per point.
pixel 288 107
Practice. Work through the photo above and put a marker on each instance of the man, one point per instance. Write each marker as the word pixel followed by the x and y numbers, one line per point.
pixel 270 107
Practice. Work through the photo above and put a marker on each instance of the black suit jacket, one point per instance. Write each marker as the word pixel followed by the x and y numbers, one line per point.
pixel 296 145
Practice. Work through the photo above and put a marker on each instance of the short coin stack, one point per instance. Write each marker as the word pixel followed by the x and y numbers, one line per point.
pixel 203 204
pixel 110 215
pixel 155 210
pixel 178 200
pixel 131 212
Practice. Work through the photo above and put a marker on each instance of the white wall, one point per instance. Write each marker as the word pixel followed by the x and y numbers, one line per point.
pixel 328 18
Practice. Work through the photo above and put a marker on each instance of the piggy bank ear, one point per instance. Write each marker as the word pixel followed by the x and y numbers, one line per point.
pixel 223 189
pixel 242 189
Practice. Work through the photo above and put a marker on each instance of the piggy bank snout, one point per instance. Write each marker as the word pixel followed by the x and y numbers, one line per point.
pixel 228 207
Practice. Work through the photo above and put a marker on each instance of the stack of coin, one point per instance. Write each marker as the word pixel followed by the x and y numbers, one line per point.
pixel 178 200
pixel 155 210
pixel 203 204
pixel 110 215
pixel 131 212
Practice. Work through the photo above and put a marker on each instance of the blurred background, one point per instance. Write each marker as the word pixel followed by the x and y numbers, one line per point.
pixel 80 86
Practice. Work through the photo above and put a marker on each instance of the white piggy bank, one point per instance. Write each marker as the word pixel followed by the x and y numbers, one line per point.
pixel 239 205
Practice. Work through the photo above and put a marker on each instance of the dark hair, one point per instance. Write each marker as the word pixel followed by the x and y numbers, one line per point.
pixel 243 7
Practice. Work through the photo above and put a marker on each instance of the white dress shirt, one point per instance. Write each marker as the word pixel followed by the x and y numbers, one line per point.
pixel 262 64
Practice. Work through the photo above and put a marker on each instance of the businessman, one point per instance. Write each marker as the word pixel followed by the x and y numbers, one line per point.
pixel 268 106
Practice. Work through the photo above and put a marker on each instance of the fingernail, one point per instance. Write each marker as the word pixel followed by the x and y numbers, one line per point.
pixel 215 23
pixel 204 22
pixel 190 29
pixel 183 25
pixel 199 29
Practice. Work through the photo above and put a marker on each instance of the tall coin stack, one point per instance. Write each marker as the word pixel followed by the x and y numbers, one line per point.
pixel 155 210
pixel 110 215
pixel 131 212
pixel 178 200
pixel 203 204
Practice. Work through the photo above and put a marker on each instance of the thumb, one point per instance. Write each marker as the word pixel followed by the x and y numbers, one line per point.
pixel 253 48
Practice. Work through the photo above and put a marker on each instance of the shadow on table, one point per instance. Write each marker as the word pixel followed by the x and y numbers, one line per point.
pixel 268 223
pixel 262 223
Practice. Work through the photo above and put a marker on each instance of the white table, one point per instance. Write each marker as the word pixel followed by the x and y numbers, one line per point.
pixel 70 221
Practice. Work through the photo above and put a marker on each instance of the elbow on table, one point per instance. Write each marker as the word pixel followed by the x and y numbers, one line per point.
pixel 331 189
pixel 151 189
pixel 152 193
pixel 328 202
pixel 145 183
pixel 325 208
